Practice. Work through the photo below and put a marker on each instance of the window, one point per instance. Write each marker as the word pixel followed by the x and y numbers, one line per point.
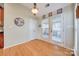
pixel 56 28
pixel 45 28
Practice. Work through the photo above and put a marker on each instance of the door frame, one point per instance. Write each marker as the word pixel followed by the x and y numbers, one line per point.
pixel 50 33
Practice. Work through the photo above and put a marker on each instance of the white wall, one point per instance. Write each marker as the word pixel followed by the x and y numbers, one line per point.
pixel 33 29
pixel 76 47
pixel 13 34
pixel 39 29
pixel 2 4
pixel 68 14
pixel 78 37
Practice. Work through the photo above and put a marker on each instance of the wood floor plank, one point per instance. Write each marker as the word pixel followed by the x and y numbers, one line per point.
pixel 36 48
pixel 1 52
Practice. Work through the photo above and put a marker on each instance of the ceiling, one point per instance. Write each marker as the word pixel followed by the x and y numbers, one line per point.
pixel 43 9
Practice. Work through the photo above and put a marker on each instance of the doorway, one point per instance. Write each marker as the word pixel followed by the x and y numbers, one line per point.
pixel 52 30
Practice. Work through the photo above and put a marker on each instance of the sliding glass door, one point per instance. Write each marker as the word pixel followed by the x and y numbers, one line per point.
pixel 57 28
pixel 53 29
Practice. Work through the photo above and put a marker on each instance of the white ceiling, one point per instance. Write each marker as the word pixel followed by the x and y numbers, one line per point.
pixel 45 10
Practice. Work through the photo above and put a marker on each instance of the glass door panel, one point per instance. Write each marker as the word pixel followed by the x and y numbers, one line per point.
pixel 45 29
pixel 56 28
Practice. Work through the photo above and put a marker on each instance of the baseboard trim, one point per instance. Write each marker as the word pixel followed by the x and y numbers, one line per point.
pixel 58 44
pixel 18 44
pixel 75 52
pixel 39 39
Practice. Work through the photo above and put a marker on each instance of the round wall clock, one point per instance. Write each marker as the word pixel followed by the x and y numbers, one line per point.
pixel 19 21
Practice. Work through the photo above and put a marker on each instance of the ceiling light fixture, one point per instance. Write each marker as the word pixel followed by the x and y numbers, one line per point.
pixel 34 9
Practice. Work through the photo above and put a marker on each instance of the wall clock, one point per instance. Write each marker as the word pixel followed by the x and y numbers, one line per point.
pixel 19 21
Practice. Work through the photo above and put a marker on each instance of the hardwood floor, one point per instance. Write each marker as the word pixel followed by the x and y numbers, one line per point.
pixel 36 48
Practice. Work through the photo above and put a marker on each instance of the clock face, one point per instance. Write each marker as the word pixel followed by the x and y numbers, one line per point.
pixel 19 21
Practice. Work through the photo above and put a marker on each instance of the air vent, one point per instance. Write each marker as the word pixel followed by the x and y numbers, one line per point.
pixel 47 5
pixel 59 11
